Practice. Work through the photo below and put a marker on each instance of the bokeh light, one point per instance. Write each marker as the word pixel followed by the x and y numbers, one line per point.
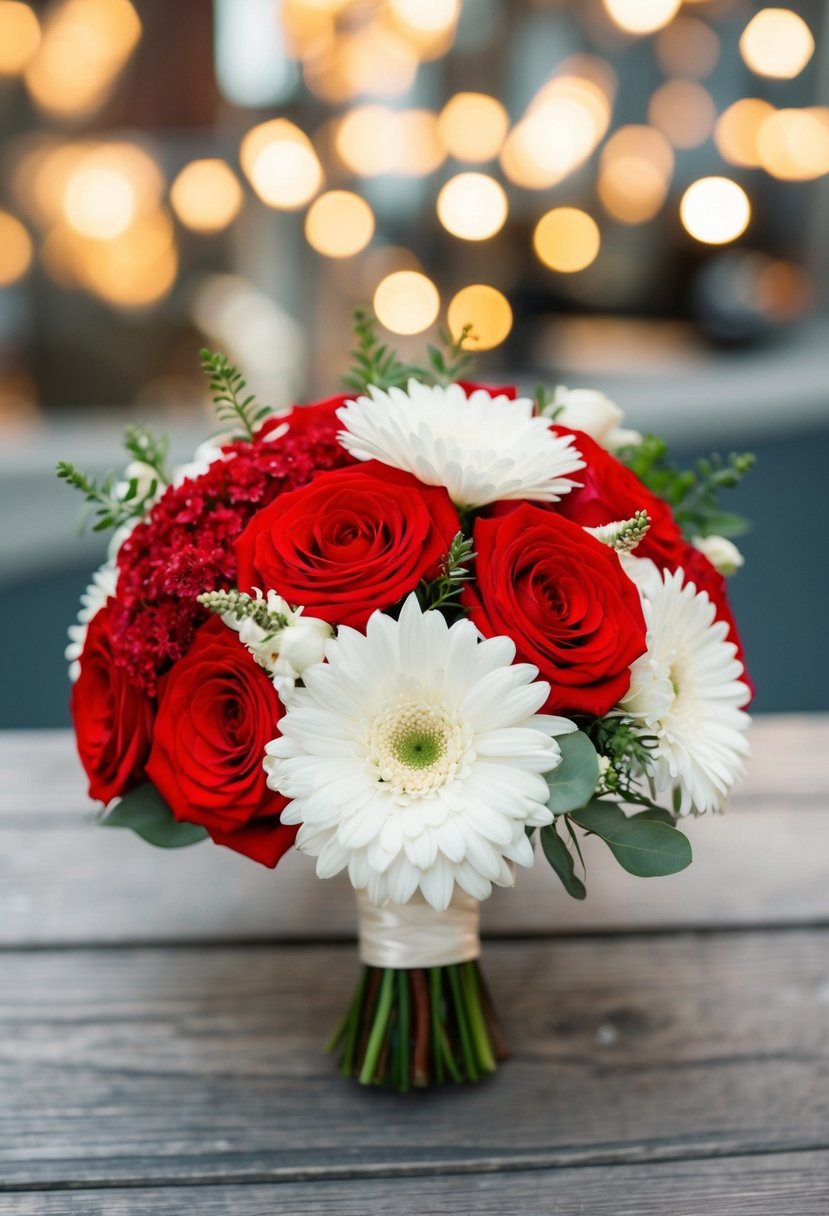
pixel 738 128
pixel 473 127
pixel 366 140
pixel 419 147
pixel 715 210
pixel 683 111
pixel 472 206
pixel 339 224
pixel 635 173
pixel 566 239
pixel 777 43
pixel 642 16
pixel 99 201
pixel 406 302
pixel 687 47
pixel 377 61
pixel 15 249
pixel 430 16
pixel 85 45
pixel 281 164
pixel 486 309
pixel 793 145
pixel 562 125
pixel 206 195
pixel 19 36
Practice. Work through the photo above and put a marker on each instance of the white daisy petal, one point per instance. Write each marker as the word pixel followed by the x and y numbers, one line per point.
pixel 427 776
pixel 481 448
pixel 686 691
pixel 103 585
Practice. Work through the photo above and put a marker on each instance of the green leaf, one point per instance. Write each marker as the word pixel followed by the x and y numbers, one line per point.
pixel 561 859
pixel 148 815
pixel 644 847
pixel 573 783
pixel 657 814
pixel 724 523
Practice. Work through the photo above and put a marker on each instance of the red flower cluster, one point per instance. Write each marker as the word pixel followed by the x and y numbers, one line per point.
pixel 187 544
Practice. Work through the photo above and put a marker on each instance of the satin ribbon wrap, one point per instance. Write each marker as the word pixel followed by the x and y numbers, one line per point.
pixel 410 935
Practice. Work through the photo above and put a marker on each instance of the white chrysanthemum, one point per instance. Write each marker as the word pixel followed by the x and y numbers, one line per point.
pixel 481 448
pixel 92 601
pixel 686 690
pixel 414 757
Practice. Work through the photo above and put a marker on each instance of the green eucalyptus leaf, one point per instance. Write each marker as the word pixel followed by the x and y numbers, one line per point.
pixel 647 848
pixel 561 859
pixel 573 783
pixel 656 813
pixel 148 815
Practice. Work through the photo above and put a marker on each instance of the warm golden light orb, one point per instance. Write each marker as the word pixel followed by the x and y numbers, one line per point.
pixel 339 224
pixel 715 210
pixel 642 16
pixel 472 206
pixel 15 249
pixel 566 239
pixel 19 36
pixel 473 127
pixel 737 130
pixel 777 43
pixel 281 164
pixel 488 312
pixel 206 195
pixel 406 302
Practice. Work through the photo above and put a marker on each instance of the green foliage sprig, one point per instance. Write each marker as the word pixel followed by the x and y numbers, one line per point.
pixel 241 605
pixel 373 361
pixel 110 504
pixel 239 414
pixel 454 575
pixel 451 360
pixel 693 494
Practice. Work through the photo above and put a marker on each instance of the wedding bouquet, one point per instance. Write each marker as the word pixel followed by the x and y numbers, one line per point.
pixel 428 631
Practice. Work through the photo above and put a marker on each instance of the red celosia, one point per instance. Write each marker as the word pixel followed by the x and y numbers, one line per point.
pixel 186 546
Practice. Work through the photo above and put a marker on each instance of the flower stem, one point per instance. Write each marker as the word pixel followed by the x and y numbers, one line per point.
pixel 403 1022
pixel 463 1025
pixel 477 1021
pixel 378 1030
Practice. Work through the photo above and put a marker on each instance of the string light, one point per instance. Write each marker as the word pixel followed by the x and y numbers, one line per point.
pixel 406 302
pixel 634 174
pixel 642 16
pixel 566 239
pixel 19 36
pixel 472 206
pixel 367 140
pixel 473 127
pixel 683 111
pixel 687 47
pixel 777 43
pixel 715 210
pixel 737 130
pixel 15 249
pixel 281 164
pixel 486 309
pixel 339 224
pixel 206 195
pixel 793 145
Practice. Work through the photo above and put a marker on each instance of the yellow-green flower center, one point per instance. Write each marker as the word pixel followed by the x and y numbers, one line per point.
pixel 415 748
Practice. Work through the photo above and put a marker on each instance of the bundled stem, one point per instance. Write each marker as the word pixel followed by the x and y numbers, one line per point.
pixel 420 1027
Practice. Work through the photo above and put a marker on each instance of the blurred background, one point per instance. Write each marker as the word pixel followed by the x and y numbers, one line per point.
pixel 625 194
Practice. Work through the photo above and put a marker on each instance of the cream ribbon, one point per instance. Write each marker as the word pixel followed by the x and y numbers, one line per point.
pixel 416 935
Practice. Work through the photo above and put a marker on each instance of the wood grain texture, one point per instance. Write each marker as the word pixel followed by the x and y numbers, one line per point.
pixel 147 1066
pixel 794 1184
pixel 64 881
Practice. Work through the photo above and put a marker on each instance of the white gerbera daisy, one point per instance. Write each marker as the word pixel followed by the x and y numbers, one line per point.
pixel 414 757
pixel 686 690
pixel 481 448
pixel 92 601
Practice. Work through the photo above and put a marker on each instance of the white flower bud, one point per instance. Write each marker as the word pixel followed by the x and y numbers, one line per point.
pixel 586 409
pixel 722 553
pixel 303 642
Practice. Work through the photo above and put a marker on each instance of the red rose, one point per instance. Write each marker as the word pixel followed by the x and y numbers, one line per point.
pixel 609 491
pixel 353 540
pixel 563 598
pixel 218 709
pixel 113 719
pixel 494 390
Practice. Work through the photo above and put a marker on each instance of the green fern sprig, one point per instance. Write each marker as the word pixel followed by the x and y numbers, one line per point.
pixel 150 449
pixel 451 360
pixel 239 414
pixel 373 361
pixel 454 575
pixel 110 508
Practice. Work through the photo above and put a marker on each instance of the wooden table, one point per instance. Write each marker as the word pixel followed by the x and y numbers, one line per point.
pixel 162 1017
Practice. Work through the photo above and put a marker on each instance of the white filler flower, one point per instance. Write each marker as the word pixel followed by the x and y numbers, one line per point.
pixel 588 410
pixel 481 448
pixel 414 757
pixel 686 690
pixel 721 552
pixel 92 601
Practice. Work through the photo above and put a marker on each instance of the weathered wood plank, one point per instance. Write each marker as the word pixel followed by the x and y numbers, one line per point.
pixel 796 1184
pixel 62 880
pixel 200 1065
